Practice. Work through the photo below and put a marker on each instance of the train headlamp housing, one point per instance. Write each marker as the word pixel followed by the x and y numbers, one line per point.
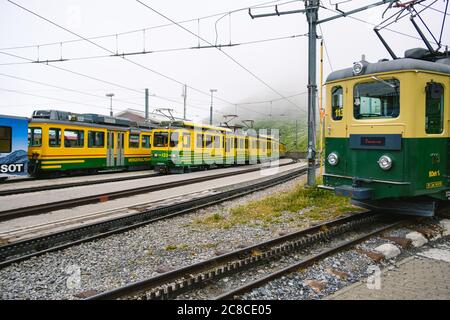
pixel 358 68
pixel 333 159
pixel 385 162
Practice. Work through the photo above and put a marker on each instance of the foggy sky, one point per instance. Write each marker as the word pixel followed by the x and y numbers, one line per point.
pixel 281 64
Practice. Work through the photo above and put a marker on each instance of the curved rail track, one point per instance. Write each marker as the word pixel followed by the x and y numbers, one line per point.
pixel 25 249
pixel 64 204
pixel 173 283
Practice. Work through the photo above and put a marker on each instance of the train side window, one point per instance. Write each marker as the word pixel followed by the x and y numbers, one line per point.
pixel 133 141
pixel 5 139
pixel 199 141
pixel 208 142
pixel 434 109
pixel 96 139
pixel 174 139
pixel 146 141
pixel 54 137
pixel 186 140
pixel 73 138
pixel 228 145
pixel 216 141
pixel 337 103
pixel 34 137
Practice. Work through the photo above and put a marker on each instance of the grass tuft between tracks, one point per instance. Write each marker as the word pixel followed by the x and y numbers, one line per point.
pixel 297 206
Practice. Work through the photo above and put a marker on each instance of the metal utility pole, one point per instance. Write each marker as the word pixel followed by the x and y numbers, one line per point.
pixel 184 95
pixel 110 95
pixel 211 108
pixel 146 104
pixel 311 10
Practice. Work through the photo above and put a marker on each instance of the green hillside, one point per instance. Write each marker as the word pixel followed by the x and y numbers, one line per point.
pixel 287 132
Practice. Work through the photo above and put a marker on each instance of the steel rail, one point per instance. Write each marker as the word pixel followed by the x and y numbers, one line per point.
pixel 25 249
pixel 22 190
pixel 232 262
pixel 64 204
pixel 304 263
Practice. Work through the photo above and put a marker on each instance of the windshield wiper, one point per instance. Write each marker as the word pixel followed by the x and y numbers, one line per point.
pixel 393 86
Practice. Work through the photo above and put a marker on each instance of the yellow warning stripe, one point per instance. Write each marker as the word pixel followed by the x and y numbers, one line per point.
pixel 51 167
pixel 63 161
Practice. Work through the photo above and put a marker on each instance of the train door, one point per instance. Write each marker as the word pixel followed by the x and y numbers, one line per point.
pixel 120 152
pixel 110 149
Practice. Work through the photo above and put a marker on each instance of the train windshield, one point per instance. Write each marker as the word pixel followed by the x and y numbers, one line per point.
pixel 377 99
pixel 160 139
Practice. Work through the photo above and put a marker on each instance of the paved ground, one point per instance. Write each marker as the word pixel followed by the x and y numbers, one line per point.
pixel 426 275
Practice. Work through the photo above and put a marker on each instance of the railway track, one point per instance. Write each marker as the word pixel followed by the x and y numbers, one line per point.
pixel 56 186
pixel 64 204
pixel 25 249
pixel 9 192
pixel 171 284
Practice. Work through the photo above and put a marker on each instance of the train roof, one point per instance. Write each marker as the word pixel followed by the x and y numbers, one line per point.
pixel 441 65
pixel 133 129
pixel 189 124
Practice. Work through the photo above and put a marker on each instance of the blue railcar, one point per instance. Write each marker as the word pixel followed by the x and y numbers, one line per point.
pixel 13 146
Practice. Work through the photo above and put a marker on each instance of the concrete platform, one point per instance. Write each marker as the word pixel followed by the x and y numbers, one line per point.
pixel 423 276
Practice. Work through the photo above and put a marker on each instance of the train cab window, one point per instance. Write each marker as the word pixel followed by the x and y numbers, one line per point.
pixel 377 99
pixel 434 110
pixel 208 142
pixel 146 142
pixel 174 139
pixel 241 143
pixel 199 141
pixel 160 139
pixel 133 141
pixel 186 140
pixel 254 144
pixel 337 103
pixel 96 139
pixel 5 139
pixel 34 137
pixel 54 137
pixel 73 138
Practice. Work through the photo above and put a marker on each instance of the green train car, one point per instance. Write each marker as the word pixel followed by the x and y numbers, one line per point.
pixel 387 133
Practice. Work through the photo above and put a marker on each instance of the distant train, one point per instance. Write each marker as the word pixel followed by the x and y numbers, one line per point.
pixel 180 146
pixel 55 142
pixel 387 133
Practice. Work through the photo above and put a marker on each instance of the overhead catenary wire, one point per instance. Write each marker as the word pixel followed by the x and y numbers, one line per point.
pixel 112 52
pixel 159 51
pixel 372 24
pixel 260 5
pixel 56 99
pixel 223 52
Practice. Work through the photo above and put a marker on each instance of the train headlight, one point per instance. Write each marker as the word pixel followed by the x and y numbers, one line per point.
pixel 358 68
pixel 385 162
pixel 333 159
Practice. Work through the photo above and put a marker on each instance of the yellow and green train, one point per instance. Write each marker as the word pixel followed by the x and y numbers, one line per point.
pixel 62 142
pixel 387 138
pixel 179 146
